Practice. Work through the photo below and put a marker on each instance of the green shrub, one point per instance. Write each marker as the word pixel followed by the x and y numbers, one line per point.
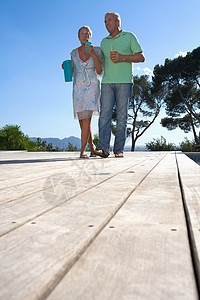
pixel 189 146
pixel 12 138
pixel 71 147
pixel 186 146
pixel 160 145
pixel 96 139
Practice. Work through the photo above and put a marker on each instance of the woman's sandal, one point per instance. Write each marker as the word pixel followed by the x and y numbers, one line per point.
pixel 101 153
pixel 119 155
pixel 84 156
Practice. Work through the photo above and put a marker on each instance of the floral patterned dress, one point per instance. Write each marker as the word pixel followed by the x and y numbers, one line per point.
pixel 86 86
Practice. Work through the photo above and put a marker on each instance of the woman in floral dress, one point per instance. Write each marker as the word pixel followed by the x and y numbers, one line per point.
pixel 86 88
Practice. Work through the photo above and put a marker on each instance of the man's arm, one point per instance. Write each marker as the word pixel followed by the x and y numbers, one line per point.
pixel 134 58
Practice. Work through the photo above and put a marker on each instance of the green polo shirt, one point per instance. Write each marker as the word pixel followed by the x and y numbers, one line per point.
pixel 125 43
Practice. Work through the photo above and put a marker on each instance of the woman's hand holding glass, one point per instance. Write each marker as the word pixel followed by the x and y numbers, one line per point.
pixel 90 50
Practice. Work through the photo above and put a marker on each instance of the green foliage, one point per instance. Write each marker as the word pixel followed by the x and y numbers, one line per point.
pixel 96 139
pixel 160 145
pixel 71 148
pixel 49 147
pixel 41 146
pixel 179 79
pixel 189 146
pixel 12 138
pixel 31 146
pixel 191 71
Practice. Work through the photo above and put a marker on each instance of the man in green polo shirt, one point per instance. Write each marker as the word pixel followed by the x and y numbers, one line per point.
pixel 120 49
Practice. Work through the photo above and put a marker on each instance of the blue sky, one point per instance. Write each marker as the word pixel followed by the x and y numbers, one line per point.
pixel 37 36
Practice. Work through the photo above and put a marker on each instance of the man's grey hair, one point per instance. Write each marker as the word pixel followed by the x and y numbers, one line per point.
pixel 116 16
pixel 86 27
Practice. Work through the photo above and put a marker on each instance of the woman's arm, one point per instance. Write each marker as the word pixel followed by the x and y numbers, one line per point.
pixel 97 63
pixel 72 64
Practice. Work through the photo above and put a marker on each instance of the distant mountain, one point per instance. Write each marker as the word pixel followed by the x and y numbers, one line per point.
pixel 137 148
pixel 60 143
pixel 63 143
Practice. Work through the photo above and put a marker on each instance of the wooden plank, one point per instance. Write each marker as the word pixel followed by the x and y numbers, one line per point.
pixel 143 253
pixel 55 190
pixel 36 255
pixel 15 174
pixel 24 182
pixel 190 181
pixel 21 172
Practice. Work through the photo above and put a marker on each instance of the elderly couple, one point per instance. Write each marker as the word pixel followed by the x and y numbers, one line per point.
pixel 115 56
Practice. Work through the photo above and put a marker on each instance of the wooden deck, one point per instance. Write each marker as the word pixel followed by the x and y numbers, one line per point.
pixel 99 228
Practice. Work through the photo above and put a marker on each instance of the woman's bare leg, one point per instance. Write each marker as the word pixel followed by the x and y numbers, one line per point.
pixel 90 141
pixel 85 133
